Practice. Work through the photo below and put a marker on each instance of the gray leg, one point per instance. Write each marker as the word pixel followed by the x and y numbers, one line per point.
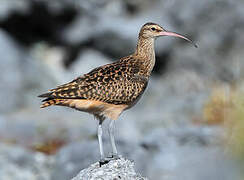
pixel 111 136
pixel 100 141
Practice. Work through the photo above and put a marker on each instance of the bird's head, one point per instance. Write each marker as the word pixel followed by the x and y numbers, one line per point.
pixel 152 30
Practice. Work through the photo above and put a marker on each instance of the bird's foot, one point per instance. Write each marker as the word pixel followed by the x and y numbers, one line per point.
pixel 103 161
pixel 109 158
pixel 114 157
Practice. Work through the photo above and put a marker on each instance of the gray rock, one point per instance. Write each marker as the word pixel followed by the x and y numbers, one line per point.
pixel 188 153
pixel 8 7
pixel 22 77
pixel 191 163
pixel 116 169
pixel 75 156
pixel 211 60
pixel 17 163
pixel 10 74
pixel 30 127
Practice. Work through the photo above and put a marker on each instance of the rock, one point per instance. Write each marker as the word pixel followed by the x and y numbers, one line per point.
pixel 31 127
pixel 211 60
pixel 117 169
pixel 22 76
pixel 22 164
pixel 75 156
pixel 188 153
pixel 191 163
pixel 10 74
pixel 8 7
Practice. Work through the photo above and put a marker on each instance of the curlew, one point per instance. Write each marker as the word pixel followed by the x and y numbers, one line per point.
pixel 108 90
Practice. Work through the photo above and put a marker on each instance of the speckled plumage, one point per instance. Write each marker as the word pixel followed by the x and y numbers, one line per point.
pixel 117 83
pixel 108 90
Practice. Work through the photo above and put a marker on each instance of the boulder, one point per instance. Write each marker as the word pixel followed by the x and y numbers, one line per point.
pixel 117 169
pixel 22 76
pixel 20 163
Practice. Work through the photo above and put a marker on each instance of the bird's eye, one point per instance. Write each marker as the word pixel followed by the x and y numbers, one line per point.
pixel 153 29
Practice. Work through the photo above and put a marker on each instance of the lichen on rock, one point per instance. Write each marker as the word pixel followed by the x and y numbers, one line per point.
pixel 120 169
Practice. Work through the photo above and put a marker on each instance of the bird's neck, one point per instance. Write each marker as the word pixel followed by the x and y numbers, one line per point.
pixel 145 53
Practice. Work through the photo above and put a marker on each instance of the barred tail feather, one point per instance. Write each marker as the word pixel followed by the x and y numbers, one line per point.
pixel 50 102
pixel 45 95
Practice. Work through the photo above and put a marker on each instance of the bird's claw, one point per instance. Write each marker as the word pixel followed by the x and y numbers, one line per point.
pixel 109 158
pixel 104 161
pixel 114 156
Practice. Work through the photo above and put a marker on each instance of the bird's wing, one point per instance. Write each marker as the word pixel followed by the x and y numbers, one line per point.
pixel 116 83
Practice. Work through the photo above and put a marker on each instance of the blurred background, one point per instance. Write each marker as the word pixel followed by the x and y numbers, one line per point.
pixel 188 125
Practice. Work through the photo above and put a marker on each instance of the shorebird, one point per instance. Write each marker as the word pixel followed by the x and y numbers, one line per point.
pixel 108 90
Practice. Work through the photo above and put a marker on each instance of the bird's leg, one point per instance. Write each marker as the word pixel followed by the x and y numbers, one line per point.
pixel 100 141
pixel 112 141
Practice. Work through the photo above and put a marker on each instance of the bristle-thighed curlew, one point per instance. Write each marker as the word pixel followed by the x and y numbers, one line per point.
pixel 108 90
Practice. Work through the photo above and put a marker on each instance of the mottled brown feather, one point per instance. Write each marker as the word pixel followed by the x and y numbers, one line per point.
pixel 108 90
pixel 116 83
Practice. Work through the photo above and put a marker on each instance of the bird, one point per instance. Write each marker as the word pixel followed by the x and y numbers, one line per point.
pixel 108 90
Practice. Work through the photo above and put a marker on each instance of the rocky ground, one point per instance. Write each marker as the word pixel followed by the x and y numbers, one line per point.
pixel 46 43
pixel 117 169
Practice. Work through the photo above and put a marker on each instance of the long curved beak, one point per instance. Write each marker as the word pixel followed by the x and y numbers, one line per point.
pixel 169 33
